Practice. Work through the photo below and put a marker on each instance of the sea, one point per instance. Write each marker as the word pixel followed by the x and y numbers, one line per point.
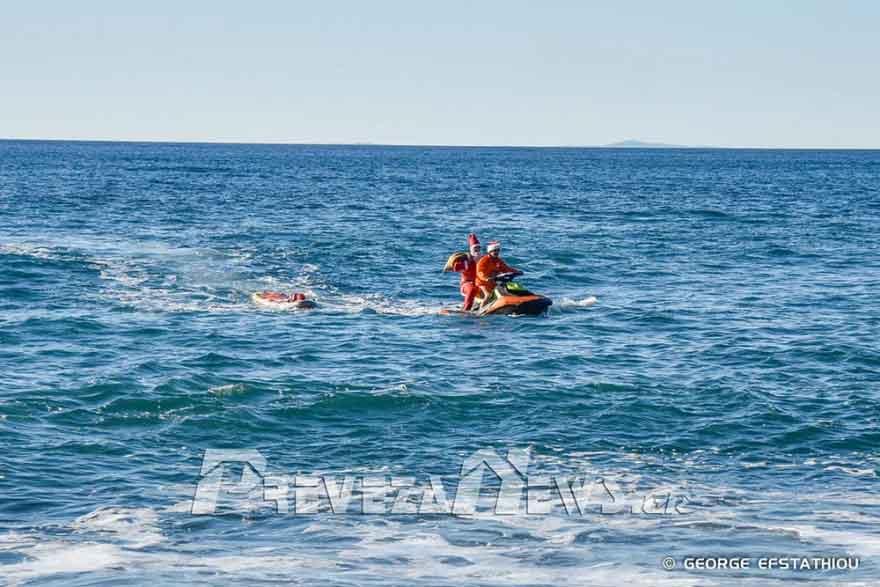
pixel 699 406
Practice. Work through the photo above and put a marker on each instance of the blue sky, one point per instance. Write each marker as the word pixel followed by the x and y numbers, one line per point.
pixel 745 73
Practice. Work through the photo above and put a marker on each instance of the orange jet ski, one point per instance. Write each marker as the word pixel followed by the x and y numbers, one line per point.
pixel 512 298
pixel 276 299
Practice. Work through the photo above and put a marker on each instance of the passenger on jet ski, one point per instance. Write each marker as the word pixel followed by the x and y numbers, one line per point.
pixel 466 265
pixel 489 267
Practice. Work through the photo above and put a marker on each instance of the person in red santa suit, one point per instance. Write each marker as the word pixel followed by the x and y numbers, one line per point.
pixel 467 268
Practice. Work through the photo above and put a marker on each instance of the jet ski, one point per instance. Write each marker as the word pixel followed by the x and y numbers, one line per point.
pixel 276 299
pixel 511 298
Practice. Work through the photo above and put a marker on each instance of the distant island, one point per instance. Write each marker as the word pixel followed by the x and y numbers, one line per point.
pixel 633 144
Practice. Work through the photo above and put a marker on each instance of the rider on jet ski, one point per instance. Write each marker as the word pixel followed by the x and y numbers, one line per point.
pixel 467 267
pixel 489 267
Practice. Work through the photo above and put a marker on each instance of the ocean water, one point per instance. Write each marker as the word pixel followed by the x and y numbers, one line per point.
pixel 713 340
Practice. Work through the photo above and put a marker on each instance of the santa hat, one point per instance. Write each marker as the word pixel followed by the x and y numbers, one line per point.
pixel 473 240
pixel 493 246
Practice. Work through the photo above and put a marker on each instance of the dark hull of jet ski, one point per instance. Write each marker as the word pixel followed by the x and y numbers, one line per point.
pixel 509 298
pixel 527 304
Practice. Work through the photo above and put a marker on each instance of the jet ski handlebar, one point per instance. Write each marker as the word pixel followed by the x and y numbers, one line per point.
pixel 506 277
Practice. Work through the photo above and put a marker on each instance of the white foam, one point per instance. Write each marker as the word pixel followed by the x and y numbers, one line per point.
pixel 112 537
pixel 855 472
pixel 418 555
pixel 29 250
pixel 425 553
pixel 137 527
pixel 855 542
pixel 421 552
pixel 229 389
pixel 378 303
pixel 150 274
pixel 575 303
pixel 53 557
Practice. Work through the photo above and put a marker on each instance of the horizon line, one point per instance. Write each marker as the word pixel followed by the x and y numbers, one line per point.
pixel 648 145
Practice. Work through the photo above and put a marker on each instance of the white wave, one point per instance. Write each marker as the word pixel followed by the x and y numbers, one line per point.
pixel 229 389
pixel 855 542
pixel 576 303
pixel 855 472
pixel 426 553
pixel 136 527
pixel 29 250
pixel 309 268
pixel 112 537
pixel 420 557
pixel 48 558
